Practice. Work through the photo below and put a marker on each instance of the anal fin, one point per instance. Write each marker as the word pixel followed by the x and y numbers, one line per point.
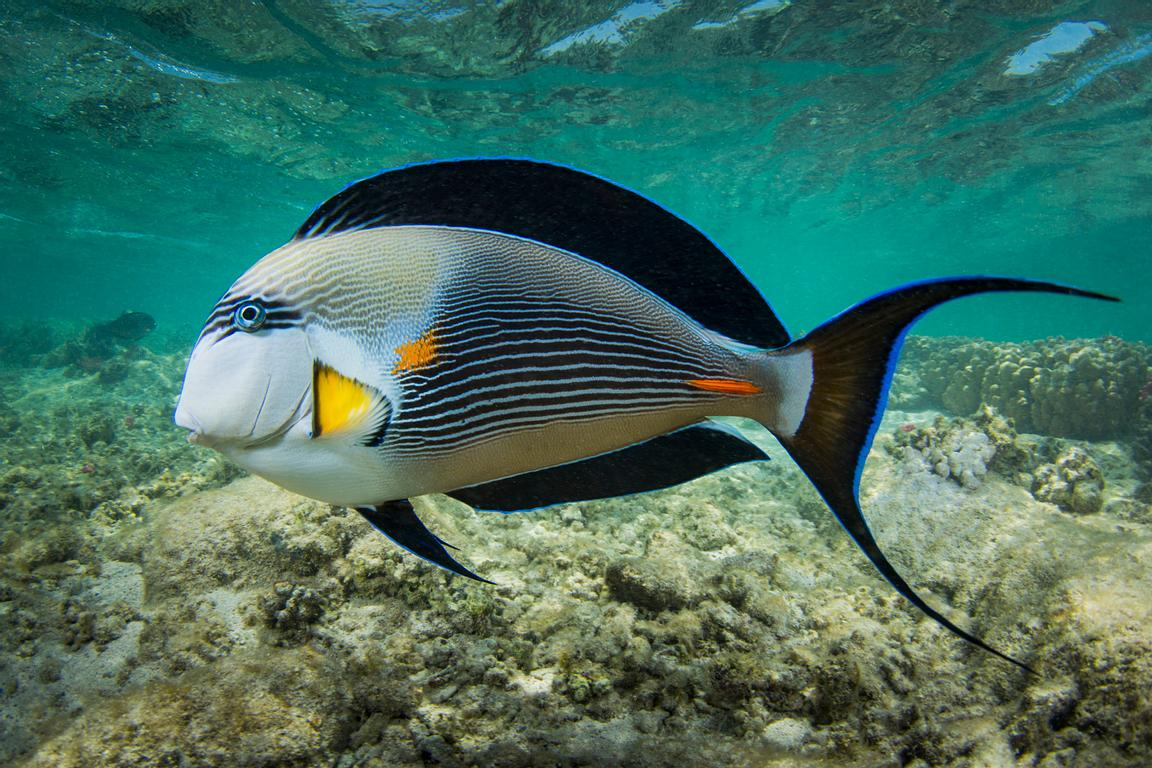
pixel 398 521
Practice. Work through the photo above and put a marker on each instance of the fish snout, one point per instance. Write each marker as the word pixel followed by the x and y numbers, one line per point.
pixel 184 418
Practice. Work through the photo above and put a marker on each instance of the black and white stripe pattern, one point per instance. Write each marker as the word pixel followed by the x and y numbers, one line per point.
pixel 220 323
pixel 508 362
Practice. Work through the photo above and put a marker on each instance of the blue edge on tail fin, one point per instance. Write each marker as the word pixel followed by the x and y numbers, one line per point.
pixel 844 349
pixel 894 354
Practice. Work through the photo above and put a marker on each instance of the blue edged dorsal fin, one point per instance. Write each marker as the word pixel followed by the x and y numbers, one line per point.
pixel 398 521
pixel 569 209
pixel 652 465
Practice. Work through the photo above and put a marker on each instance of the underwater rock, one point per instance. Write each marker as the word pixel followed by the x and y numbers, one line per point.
pixel 966 450
pixel 23 344
pixel 787 734
pixel 1142 434
pixel 1073 482
pixel 955 450
pixel 72 442
pixel 1014 457
pixel 1086 389
pixel 231 539
pixel 1128 509
pixel 99 428
pixel 1095 701
pixel 262 707
pixel 103 349
pixel 163 618
pixel 651 585
pixel 794 651
pixel 54 544
pixel 952 375
pixel 907 393
pixel 291 609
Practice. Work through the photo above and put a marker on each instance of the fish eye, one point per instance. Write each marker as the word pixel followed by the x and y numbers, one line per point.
pixel 249 316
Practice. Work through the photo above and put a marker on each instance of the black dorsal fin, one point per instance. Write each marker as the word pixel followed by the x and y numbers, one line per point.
pixel 567 209
pixel 661 462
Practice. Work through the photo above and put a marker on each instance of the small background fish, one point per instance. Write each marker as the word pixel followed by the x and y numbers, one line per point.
pixel 129 326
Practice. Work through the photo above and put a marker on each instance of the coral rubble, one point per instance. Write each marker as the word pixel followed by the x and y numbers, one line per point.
pixel 170 618
pixel 1073 482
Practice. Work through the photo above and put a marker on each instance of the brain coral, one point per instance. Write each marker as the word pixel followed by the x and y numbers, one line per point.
pixel 1088 389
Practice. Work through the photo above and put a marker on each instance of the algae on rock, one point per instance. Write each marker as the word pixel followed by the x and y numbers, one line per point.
pixel 1072 482
pixel 724 622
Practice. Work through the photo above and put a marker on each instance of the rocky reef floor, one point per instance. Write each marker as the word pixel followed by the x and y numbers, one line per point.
pixel 159 609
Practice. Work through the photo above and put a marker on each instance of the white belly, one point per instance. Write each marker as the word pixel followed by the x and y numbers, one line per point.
pixel 338 474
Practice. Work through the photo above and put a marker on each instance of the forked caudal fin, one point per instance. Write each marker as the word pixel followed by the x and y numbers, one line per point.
pixel 852 360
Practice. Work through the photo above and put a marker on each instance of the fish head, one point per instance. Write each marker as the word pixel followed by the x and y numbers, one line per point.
pixel 249 375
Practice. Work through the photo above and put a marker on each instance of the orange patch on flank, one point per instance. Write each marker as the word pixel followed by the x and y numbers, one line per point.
pixel 726 386
pixel 416 354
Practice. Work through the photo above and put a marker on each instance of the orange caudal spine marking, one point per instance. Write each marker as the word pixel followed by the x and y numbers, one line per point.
pixel 726 386
pixel 417 353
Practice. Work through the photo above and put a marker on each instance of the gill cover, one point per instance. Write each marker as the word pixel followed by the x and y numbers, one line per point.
pixel 246 387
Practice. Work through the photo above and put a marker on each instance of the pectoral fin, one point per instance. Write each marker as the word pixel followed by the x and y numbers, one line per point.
pixel 343 406
pixel 398 521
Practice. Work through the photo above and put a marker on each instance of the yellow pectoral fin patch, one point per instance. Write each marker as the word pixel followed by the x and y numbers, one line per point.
pixel 417 353
pixel 342 405
pixel 725 386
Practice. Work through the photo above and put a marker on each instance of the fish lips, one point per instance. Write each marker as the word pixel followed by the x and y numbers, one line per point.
pixel 184 418
pixel 197 436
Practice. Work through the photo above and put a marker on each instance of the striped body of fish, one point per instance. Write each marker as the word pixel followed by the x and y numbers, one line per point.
pixel 517 335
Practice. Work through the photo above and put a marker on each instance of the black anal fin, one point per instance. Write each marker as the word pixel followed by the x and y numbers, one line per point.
pixel 652 465
pixel 398 521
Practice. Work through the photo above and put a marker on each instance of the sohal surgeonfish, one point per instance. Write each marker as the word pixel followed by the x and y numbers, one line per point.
pixel 516 335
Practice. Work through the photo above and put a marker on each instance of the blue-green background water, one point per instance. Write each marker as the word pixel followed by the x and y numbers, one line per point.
pixel 153 150
pixel 154 611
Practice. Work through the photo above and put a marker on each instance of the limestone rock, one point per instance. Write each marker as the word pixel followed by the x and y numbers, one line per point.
pixel 955 450
pixel 1073 482
pixel 650 585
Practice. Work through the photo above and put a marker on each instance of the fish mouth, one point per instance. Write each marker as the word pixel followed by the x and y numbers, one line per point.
pixel 198 436
pixel 183 418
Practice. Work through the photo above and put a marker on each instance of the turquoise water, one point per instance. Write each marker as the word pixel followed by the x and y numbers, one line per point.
pixel 154 150
pixel 160 607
